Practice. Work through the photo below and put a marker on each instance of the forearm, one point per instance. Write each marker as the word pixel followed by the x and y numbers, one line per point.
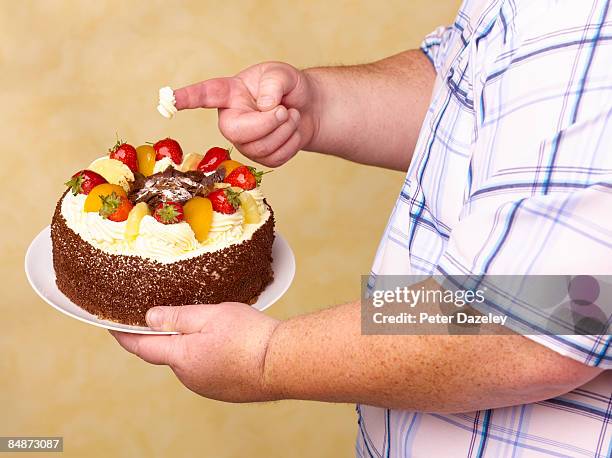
pixel 324 357
pixel 372 113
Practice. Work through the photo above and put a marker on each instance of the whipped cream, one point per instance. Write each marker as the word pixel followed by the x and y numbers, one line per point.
pixel 163 164
pixel 225 228
pixel 164 243
pixel 157 240
pixel 102 233
pixel 167 102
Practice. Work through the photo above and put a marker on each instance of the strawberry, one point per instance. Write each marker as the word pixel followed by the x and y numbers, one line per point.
pixel 245 177
pixel 224 200
pixel 168 148
pixel 115 207
pixel 213 158
pixel 125 153
pixel 84 181
pixel 169 213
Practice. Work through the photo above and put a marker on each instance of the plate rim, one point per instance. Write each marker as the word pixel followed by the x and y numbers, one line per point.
pixel 110 325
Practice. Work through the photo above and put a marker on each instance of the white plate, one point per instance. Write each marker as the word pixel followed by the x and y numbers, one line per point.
pixel 41 275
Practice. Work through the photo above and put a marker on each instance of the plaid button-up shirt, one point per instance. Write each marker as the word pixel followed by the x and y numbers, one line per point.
pixel 512 174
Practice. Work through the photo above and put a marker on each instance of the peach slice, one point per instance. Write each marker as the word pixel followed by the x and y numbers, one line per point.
pixel 229 166
pixel 93 203
pixel 198 214
pixel 146 159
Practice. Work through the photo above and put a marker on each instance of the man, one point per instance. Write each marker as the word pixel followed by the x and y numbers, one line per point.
pixel 508 114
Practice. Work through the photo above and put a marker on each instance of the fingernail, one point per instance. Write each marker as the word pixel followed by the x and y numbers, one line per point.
pixel 154 317
pixel 281 114
pixel 265 101
pixel 295 115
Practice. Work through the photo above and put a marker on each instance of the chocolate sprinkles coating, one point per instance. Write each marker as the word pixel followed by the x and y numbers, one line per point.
pixel 122 288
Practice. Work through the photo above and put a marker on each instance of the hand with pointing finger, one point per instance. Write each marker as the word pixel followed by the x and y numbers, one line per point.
pixel 268 111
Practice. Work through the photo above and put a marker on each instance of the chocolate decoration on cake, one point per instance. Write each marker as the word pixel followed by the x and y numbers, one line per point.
pixel 122 288
pixel 172 185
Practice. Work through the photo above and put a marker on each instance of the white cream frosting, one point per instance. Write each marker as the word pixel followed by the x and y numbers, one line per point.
pixel 165 243
pixel 163 164
pixel 102 233
pixel 167 102
pixel 259 199
pixel 157 240
pixel 225 228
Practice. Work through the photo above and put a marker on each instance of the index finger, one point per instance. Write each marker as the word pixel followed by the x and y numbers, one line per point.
pixel 212 93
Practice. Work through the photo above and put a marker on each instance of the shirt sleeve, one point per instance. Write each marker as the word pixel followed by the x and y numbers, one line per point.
pixel 436 44
pixel 539 198
pixel 559 234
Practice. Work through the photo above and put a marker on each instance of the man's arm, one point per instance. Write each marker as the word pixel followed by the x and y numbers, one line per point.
pixel 324 357
pixel 373 113
pixel 232 352
pixel 368 113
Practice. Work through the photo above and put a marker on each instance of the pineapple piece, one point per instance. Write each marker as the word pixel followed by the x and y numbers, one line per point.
pixel 198 214
pixel 191 162
pixel 113 171
pixel 132 227
pixel 249 208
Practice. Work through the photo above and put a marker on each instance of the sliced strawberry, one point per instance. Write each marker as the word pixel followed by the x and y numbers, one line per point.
pixel 84 181
pixel 125 153
pixel 168 148
pixel 115 207
pixel 213 158
pixel 224 200
pixel 169 213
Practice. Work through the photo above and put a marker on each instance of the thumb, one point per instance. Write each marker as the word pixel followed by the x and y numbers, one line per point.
pixel 274 84
pixel 186 319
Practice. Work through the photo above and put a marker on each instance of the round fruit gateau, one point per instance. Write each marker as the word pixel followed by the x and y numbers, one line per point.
pixel 145 226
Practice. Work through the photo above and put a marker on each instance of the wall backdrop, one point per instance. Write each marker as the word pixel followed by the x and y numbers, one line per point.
pixel 76 72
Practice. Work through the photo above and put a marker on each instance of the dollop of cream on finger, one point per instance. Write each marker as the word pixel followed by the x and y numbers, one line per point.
pixel 167 102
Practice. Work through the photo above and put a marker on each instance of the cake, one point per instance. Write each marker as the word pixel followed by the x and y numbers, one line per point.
pixel 146 226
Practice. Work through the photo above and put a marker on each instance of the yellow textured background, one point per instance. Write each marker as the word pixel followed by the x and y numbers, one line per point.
pixel 73 74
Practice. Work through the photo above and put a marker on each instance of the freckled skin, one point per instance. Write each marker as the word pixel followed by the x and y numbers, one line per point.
pixel 234 353
pixel 426 373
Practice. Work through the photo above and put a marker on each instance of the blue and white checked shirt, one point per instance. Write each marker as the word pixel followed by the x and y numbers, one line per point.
pixel 512 174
